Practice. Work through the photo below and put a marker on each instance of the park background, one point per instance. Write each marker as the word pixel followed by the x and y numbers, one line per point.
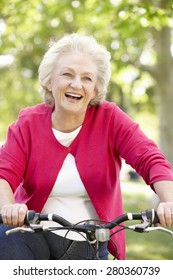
pixel 139 36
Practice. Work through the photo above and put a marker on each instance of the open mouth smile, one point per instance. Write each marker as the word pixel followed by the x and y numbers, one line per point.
pixel 73 96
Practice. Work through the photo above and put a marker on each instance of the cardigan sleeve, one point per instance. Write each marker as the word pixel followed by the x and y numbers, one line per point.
pixel 13 156
pixel 139 151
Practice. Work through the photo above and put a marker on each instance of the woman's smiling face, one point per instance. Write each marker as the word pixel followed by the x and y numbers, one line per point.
pixel 73 82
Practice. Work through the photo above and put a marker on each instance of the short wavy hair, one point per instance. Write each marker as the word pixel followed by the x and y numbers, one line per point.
pixel 86 45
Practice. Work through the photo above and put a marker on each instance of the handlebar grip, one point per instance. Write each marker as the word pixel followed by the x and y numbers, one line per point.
pixel 29 217
pixel 152 216
pixel 156 219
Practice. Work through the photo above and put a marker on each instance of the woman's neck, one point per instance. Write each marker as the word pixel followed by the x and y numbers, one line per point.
pixel 66 122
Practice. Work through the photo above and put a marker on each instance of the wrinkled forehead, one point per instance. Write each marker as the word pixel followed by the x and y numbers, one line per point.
pixel 76 61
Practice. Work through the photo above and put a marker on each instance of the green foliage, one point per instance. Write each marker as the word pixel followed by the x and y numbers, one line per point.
pixel 124 27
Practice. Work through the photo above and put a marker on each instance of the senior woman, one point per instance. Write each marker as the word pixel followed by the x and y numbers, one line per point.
pixel 64 155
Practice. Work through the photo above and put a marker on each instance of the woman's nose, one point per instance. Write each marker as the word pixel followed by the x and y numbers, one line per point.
pixel 76 83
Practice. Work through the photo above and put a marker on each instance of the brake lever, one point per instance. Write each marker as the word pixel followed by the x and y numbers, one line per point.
pixel 19 229
pixel 30 229
pixel 159 229
pixel 140 228
pixel 146 223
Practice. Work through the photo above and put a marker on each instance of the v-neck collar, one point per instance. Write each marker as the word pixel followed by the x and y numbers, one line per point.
pixel 53 138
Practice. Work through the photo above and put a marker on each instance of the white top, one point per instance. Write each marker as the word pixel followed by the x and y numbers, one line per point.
pixel 68 197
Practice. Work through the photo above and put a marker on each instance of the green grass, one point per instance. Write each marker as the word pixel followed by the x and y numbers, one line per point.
pixel 145 246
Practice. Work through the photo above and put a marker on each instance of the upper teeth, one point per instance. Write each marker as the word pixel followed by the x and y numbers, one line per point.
pixel 73 94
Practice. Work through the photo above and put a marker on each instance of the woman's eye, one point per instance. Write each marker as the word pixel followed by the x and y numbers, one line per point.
pixel 88 79
pixel 66 74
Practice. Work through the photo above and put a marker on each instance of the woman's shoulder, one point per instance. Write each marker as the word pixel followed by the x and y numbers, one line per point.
pixel 107 105
pixel 38 109
pixel 31 118
pixel 111 113
pixel 114 109
pixel 108 108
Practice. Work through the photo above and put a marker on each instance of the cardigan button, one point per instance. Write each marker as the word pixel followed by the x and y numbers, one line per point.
pixel 68 149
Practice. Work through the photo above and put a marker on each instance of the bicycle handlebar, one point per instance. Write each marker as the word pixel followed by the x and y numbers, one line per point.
pixel 95 232
pixel 148 218
pixel 93 229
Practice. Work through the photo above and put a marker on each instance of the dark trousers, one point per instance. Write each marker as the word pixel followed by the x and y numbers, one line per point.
pixel 45 246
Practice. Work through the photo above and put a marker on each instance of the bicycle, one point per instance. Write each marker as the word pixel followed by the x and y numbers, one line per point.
pixel 97 231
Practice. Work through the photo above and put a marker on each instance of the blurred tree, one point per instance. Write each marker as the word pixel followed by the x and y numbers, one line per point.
pixel 136 32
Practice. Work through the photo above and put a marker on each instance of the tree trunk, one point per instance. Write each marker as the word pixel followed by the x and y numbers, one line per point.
pixel 166 120
pixel 164 79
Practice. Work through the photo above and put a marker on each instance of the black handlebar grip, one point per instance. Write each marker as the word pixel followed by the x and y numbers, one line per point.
pixel 156 219
pixel 29 217
pixel 152 216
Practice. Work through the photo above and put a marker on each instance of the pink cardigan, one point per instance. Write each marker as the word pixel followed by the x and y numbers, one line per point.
pixel 31 159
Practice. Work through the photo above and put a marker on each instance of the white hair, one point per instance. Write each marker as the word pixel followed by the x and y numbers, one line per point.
pixel 86 45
